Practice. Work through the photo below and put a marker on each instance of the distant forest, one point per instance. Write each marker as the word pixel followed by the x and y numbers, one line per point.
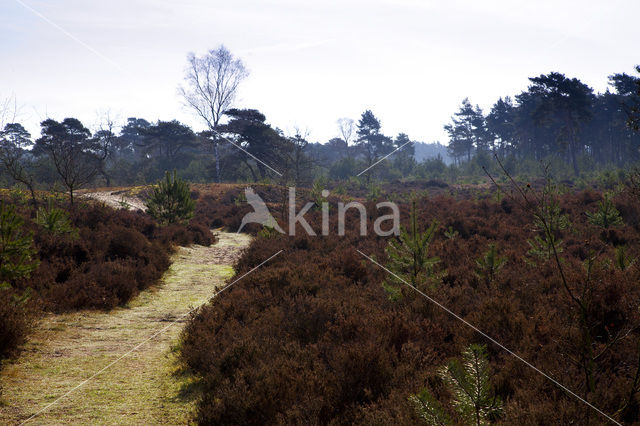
pixel 558 120
pixel 555 116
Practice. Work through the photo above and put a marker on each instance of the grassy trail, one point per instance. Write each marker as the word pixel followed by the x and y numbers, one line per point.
pixel 144 387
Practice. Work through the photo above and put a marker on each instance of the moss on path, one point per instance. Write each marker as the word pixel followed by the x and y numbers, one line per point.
pixel 145 387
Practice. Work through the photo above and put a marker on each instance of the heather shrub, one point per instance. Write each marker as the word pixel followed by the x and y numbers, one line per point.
pixel 94 257
pixel 225 208
pixel 125 243
pixel 312 336
pixel 16 318
pixel 108 256
pixel 16 264
pixel 200 234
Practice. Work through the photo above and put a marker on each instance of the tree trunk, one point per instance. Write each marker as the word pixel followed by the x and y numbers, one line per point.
pixel 574 161
pixel 262 171
pixel 215 149
pixel 253 173
pixel 33 196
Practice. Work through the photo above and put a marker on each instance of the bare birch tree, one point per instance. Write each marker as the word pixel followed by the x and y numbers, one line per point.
pixel 212 82
pixel 105 138
pixel 347 129
pixel 8 110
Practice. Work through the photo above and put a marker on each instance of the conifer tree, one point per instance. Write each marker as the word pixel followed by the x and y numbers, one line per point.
pixel 171 200
pixel 409 258
pixel 606 216
pixel 16 248
pixel 55 221
pixel 468 380
pixel 490 264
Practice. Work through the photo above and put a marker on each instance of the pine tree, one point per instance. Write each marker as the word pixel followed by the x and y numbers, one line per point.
pixel 16 248
pixel 56 221
pixel 490 264
pixel 473 398
pixel 622 260
pixel 429 409
pixel 550 222
pixel 451 233
pixel 409 258
pixel 171 200
pixel 606 216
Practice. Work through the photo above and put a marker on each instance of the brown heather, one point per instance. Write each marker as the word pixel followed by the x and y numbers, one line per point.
pixel 112 257
pixel 312 337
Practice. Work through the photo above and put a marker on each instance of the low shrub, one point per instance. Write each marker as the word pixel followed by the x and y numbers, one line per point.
pixel 108 258
pixel 93 257
pixel 313 337
pixel 16 320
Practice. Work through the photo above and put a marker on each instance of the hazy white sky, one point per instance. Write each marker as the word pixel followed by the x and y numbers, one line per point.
pixel 410 61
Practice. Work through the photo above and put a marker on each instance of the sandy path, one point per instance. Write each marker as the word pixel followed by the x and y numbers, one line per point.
pixel 145 387
pixel 117 199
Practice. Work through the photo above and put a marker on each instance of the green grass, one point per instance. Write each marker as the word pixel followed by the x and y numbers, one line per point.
pixel 147 387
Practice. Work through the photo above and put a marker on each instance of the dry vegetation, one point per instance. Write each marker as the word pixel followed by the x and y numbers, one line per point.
pixel 101 259
pixel 312 337
pixel 147 387
pixel 109 258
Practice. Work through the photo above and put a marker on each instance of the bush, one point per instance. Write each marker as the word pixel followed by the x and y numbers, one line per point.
pixel 312 337
pixel 98 258
pixel 117 254
pixel 16 319
pixel 16 264
pixel 16 248
pixel 108 256
pixel 170 201
pixel 606 216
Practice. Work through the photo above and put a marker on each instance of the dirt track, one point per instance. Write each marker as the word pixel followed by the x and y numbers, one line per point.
pixel 145 387
pixel 117 199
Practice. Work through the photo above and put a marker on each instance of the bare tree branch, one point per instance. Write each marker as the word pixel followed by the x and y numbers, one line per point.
pixel 346 128
pixel 212 82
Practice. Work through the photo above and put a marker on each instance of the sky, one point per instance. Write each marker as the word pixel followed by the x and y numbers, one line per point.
pixel 411 62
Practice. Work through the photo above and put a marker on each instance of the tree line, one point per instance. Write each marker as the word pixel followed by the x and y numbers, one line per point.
pixel 556 116
pixel 248 148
